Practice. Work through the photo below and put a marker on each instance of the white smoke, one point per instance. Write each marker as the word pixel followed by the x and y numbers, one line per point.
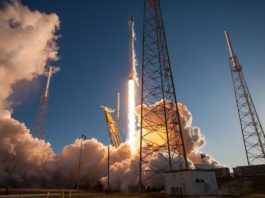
pixel 22 158
pixel 27 43
pixel 93 162
pixel 193 139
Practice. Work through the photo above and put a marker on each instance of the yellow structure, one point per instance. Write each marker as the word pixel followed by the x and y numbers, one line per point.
pixel 114 133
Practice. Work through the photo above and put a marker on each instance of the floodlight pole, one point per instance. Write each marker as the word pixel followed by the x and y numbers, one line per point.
pixel 83 137
pixel 108 172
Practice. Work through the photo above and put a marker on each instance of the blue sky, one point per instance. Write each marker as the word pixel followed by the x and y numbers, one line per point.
pixel 94 65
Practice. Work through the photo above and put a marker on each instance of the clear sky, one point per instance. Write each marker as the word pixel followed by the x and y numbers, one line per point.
pixel 94 65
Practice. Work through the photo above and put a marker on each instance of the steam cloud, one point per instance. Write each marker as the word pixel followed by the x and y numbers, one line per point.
pixel 27 42
pixel 129 168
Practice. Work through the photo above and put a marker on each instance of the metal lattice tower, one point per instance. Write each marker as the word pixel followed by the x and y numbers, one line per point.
pixel 159 111
pixel 252 131
pixel 40 119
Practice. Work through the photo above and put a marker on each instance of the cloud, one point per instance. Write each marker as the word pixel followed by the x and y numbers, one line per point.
pixel 27 43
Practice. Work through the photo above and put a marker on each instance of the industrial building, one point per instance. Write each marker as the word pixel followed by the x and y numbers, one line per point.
pixel 220 172
pixel 254 170
pixel 191 183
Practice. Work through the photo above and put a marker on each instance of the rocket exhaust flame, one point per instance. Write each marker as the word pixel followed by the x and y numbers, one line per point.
pixel 131 115
pixel 132 81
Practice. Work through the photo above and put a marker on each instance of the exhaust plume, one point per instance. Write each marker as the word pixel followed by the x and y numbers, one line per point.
pixel 193 140
pixel 132 83
pixel 27 43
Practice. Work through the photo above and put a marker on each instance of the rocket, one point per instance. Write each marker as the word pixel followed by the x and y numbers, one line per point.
pixel 132 75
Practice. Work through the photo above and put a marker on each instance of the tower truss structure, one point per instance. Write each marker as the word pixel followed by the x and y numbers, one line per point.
pixel 161 132
pixel 252 131
pixel 40 118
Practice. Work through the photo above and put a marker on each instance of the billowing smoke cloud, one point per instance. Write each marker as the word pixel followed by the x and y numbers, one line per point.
pixel 27 43
pixel 193 138
pixel 129 168
pixel 93 162
pixel 22 158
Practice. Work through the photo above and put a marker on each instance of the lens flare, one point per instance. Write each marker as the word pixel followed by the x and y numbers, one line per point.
pixel 131 115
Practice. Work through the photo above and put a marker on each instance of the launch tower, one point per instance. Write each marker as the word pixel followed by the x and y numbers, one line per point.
pixel 158 88
pixel 252 131
pixel 40 119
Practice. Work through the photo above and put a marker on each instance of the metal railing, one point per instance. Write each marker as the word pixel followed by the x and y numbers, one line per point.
pixel 46 195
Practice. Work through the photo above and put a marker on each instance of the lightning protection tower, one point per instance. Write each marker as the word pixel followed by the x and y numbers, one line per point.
pixel 159 111
pixel 40 119
pixel 252 131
